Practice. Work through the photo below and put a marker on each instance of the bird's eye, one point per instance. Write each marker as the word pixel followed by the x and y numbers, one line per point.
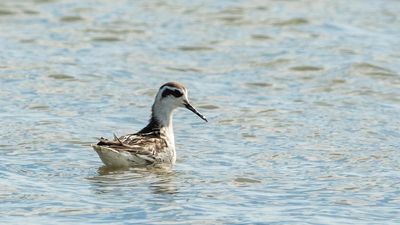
pixel 175 93
pixel 178 93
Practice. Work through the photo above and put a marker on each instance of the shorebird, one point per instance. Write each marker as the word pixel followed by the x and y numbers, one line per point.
pixel 154 144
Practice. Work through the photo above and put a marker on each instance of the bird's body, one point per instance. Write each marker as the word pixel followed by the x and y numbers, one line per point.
pixel 154 145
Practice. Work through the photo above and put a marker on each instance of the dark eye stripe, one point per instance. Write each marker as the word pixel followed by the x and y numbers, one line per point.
pixel 175 93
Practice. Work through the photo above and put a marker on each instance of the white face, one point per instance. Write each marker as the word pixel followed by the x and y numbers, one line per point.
pixel 173 96
pixel 176 97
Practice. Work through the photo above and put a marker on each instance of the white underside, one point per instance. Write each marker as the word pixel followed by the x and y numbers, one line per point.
pixel 113 158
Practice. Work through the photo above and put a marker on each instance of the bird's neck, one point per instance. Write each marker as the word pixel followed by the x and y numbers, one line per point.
pixel 160 121
pixel 162 113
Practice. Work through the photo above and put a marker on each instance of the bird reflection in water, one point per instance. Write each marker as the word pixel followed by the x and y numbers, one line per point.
pixel 112 180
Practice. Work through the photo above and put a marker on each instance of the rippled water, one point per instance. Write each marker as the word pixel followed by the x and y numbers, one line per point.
pixel 303 99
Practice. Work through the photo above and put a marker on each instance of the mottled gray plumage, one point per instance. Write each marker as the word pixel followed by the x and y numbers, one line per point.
pixel 147 146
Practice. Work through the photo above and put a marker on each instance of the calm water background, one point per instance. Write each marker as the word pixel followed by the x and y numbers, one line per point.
pixel 303 99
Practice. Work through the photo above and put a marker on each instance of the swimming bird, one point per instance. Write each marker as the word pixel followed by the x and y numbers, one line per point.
pixel 154 144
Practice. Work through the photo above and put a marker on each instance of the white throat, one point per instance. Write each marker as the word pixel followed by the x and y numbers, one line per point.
pixel 163 113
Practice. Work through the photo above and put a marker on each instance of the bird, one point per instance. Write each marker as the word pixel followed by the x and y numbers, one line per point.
pixel 154 145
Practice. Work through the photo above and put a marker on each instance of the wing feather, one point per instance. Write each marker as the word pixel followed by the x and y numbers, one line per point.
pixel 145 147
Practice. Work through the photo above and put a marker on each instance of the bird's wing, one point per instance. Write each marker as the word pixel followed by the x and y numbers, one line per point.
pixel 145 147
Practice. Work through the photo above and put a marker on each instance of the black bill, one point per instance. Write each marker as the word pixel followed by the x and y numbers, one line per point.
pixel 191 108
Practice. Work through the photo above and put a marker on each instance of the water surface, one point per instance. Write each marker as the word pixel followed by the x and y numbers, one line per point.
pixel 303 99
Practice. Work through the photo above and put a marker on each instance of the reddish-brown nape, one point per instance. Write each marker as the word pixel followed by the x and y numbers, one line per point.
pixel 174 85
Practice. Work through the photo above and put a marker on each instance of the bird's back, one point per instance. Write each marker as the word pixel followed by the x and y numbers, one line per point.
pixel 140 149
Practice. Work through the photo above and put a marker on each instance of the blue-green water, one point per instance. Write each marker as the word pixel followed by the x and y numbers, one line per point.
pixel 303 99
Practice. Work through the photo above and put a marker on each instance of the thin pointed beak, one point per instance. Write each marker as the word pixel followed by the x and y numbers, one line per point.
pixel 191 108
